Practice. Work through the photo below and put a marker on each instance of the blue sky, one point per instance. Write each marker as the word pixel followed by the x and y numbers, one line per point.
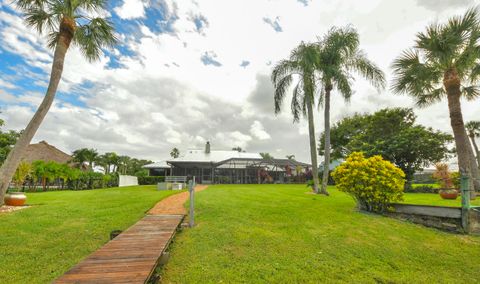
pixel 185 72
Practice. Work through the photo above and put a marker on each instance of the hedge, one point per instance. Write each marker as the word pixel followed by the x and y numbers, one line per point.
pixel 150 180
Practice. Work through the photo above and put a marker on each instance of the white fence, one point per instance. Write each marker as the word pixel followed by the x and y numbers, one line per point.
pixel 127 180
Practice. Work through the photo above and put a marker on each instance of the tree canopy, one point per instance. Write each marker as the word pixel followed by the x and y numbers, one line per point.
pixel 7 140
pixel 393 134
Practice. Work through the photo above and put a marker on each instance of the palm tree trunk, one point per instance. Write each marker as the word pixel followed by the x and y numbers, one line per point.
pixel 13 159
pixel 313 145
pixel 452 86
pixel 477 152
pixel 326 163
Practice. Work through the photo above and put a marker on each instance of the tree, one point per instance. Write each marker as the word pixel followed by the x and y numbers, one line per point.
pixel 109 161
pixel 339 55
pixel 392 134
pixel 473 129
pixel 85 155
pixel 24 169
pixel 238 149
pixel 299 66
pixel 266 156
pixel 290 157
pixel 7 140
pixel 445 62
pixel 123 163
pixel 65 22
pixel 175 153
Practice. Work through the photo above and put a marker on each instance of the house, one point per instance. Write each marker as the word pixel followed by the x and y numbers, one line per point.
pixel 45 152
pixel 220 166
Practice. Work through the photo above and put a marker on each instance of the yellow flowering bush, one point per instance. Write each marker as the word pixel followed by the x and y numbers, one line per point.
pixel 373 182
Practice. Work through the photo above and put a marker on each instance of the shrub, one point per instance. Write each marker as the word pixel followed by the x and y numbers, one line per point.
pixel 422 189
pixel 373 182
pixel 150 180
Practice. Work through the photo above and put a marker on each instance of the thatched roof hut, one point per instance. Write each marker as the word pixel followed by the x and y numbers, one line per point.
pixel 45 152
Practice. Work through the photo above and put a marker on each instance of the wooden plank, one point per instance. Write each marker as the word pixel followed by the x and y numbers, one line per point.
pixel 129 258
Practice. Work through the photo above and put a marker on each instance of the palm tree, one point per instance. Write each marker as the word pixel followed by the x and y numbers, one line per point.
pixel 444 62
pixel 339 55
pixel 290 157
pixel 85 155
pixel 123 162
pixel 473 129
pixel 175 153
pixel 65 22
pixel 301 66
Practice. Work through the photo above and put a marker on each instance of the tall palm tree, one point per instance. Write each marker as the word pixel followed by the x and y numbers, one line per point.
pixel 301 66
pixel 445 62
pixel 473 131
pixel 65 22
pixel 338 56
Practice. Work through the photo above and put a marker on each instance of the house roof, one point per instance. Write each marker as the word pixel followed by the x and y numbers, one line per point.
pixel 158 165
pixel 215 156
pixel 45 152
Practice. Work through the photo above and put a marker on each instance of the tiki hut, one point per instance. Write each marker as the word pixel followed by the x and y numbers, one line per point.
pixel 45 152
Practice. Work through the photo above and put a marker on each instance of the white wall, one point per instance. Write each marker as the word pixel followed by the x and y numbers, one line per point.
pixel 127 180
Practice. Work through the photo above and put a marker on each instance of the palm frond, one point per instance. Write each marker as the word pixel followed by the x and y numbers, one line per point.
pixel 343 85
pixel 413 77
pixel 40 19
pixel 430 98
pixel 91 5
pixel 281 88
pixel 25 5
pixel 367 69
pixel 473 128
pixel 296 106
pixel 282 69
pixel 471 92
pixel 94 36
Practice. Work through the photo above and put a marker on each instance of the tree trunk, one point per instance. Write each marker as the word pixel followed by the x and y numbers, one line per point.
pixel 10 165
pixel 313 144
pixel 451 82
pixel 326 163
pixel 477 152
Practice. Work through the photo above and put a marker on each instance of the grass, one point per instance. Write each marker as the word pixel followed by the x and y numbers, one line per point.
pixel 280 234
pixel 434 185
pixel 40 243
pixel 435 199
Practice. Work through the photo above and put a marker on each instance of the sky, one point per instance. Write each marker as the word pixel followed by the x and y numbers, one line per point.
pixel 186 72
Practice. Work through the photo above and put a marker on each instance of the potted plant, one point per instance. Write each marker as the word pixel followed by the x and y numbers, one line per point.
pixel 444 176
pixel 18 198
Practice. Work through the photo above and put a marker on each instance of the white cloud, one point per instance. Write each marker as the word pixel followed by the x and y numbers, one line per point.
pixel 131 9
pixel 258 131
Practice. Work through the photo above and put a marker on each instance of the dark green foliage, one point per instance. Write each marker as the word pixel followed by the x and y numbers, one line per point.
pixel 150 180
pixel 423 178
pixel 393 134
pixel 421 189
pixel 7 140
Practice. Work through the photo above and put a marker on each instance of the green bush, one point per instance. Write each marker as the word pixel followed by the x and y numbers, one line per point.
pixel 150 180
pixel 373 182
pixel 422 189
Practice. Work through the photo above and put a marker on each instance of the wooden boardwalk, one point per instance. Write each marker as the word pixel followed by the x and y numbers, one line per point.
pixel 129 258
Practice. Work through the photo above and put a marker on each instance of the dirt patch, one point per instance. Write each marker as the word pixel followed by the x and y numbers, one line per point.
pixel 8 209
pixel 174 204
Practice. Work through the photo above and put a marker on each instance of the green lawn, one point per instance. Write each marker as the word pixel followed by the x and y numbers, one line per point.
pixel 40 243
pixel 435 199
pixel 434 185
pixel 280 234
